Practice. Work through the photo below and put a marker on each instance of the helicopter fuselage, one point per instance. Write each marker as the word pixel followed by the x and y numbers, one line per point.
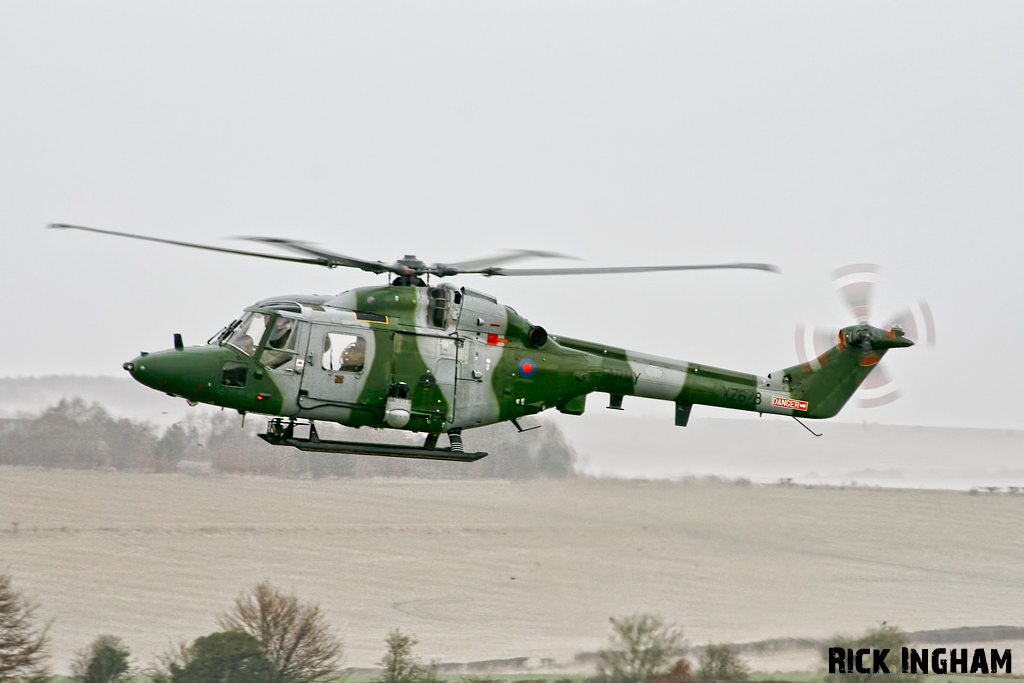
pixel 442 359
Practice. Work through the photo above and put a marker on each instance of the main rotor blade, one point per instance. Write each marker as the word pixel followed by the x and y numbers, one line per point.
pixel 334 259
pixel 316 262
pixel 489 272
pixel 506 256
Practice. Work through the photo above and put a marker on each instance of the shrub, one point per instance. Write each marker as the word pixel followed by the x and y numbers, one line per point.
pixel 223 657
pixel 105 661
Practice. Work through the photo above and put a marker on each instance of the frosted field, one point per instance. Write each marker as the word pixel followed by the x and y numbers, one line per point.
pixel 483 570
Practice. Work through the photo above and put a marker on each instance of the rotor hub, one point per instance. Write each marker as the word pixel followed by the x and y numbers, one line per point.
pixel 411 265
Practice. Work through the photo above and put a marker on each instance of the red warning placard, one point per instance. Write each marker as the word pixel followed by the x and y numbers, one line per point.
pixel 789 403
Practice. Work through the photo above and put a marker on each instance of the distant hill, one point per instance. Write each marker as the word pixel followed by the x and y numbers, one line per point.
pixel 106 423
pixel 773 448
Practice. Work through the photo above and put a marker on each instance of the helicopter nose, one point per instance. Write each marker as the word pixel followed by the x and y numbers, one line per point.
pixel 137 369
pixel 161 370
pixel 193 373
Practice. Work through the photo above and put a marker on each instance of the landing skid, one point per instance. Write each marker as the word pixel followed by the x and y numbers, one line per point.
pixel 281 434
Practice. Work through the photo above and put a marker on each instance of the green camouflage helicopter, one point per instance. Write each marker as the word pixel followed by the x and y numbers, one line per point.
pixel 441 359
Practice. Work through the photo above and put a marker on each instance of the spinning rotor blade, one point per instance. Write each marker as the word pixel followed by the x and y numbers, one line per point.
pixel 812 341
pixel 917 323
pixel 317 262
pixel 489 272
pixel 878 389
pixel 506 256
pixel 332 258
pixel 410 267
pixel 856 282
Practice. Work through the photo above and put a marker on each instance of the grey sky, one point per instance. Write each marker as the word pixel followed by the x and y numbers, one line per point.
pixel 810 135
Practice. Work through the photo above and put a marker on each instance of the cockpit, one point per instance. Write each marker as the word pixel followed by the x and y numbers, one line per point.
pixel 247 333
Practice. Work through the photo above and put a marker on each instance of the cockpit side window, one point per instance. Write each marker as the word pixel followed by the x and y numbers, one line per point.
pixel 246 337
pixel 344 352
pixel 280 343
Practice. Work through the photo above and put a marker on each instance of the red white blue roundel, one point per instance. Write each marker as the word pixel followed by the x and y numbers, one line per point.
pixel 527 367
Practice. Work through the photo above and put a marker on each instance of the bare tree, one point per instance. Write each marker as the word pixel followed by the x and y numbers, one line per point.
pixel 165 664
pixel 22 645
pixel 296 638
pixel 400 665
pixel 640 650
pixel 721 663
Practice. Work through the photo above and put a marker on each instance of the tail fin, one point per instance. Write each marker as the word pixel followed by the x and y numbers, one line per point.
pixel 823 385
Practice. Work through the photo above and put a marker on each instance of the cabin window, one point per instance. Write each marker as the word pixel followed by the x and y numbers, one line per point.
pixel 437 309
pixel 246 337
pixel 289 306
pixel 280 344
pixel 235 374
pixel 344 352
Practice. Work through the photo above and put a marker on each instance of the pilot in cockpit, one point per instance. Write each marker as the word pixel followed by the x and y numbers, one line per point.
pixel 354 355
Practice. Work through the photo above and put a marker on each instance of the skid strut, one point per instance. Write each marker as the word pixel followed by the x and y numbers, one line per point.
pixel 455 437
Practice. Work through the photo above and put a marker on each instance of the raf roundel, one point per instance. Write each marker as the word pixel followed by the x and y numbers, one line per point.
pixel 527 367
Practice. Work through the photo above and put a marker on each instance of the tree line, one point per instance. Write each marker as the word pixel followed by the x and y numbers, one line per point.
pixel 269 636
pixel 74 434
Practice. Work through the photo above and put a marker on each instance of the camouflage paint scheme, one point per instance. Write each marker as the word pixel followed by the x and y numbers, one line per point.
pixel 469 361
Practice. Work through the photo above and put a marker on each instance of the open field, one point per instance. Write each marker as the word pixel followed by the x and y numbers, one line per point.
pixel 492 569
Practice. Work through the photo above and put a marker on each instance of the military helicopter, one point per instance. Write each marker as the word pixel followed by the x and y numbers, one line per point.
pixel 440 359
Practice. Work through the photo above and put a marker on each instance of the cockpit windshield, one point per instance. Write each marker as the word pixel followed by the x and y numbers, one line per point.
pixel 247 334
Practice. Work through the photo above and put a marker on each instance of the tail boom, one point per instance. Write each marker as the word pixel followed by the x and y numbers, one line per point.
pixel 817 389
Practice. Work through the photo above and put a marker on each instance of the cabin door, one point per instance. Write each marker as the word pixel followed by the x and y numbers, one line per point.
pixel 337 360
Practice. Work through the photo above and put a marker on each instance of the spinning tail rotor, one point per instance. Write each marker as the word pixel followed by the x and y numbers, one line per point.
pixel 856 283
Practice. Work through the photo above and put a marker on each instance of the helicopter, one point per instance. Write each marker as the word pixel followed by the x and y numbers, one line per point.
pixel 440 359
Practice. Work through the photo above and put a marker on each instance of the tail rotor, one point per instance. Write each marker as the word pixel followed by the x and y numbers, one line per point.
pixel 856 284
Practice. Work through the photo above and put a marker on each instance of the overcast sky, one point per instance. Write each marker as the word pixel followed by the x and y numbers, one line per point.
pixel 809 135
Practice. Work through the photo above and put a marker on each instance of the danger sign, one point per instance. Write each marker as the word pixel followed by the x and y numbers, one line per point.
pixel 789 403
